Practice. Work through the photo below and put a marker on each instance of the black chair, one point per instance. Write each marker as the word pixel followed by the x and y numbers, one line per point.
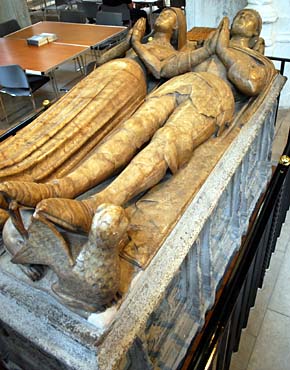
pixel 56 7
pixel 123 9
pixel 109 18
pixel 178 3
pixel 90 8
pixel 8 27
pixel 15 82
pixel 73 16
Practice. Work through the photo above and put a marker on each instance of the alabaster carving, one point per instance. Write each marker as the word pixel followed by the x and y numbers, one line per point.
pixel 57 141
pixel 90 279
pixel 245 32
pixel 80 147
pixel 246 29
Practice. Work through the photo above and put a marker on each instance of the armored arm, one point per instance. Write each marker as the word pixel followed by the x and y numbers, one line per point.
pixel 183 62
pixel 247 74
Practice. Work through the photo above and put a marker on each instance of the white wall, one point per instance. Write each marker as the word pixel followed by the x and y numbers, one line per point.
pixel 276 32
pixel 281 43
pixel 208 13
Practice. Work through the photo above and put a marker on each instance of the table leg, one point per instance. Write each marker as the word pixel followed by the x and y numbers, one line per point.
pixel 81 63
pixel 54 83
pixel 3 109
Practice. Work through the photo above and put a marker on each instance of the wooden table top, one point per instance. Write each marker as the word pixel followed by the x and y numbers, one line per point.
pixel 34 59
pixel 89 35
pixel 199 33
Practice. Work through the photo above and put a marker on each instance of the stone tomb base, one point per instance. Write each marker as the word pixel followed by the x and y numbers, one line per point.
pixel 174 285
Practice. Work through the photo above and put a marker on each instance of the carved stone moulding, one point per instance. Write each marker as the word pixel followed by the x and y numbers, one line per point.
pixel 166 303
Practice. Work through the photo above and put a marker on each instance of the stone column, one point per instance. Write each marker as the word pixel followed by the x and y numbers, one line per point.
pixel 16 9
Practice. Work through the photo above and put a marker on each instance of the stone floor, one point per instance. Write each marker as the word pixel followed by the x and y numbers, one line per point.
pixel 281 134
pixel 265 343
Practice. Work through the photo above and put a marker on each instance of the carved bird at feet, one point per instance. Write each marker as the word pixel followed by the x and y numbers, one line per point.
pixel 91 281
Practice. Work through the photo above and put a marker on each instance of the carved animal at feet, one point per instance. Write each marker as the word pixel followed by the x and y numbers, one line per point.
pixel 91 281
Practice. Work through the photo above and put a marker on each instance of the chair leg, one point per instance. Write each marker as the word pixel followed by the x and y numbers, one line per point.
pixel 33 102
pixel 3 108
pixel 44 10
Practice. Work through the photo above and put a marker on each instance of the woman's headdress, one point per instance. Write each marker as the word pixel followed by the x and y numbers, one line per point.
pixel 181 28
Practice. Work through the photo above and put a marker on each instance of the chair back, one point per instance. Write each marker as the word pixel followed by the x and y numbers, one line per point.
pixel 109 19
pixel 15 82
pixel 123 9
pixel 13 76
pixel 61 3
pixel 89 8
pixel 8 27
pixel 177 3
pixel 73 16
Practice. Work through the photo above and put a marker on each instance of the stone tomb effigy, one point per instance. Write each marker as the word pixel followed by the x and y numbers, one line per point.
pixel 182 235
pixel 168 300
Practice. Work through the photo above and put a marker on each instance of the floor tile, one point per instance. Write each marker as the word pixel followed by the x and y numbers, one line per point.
pixel 271 351
pixel 284 239
pixel 257 312
pixel 281 134
pixel 280 300
pixel 259 328
pixel 241 359
pixel 282 115
pixel 282 121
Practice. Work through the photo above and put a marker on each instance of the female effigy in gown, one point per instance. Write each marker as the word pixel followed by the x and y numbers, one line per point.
pixel 107 136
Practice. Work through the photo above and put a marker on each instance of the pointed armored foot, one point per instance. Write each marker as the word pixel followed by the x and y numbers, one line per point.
pixel 70 214
pixel 14 242
pixel 14 212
